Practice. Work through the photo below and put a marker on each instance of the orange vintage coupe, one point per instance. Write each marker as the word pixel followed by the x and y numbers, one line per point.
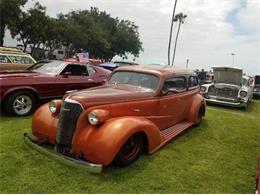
pixel 140 109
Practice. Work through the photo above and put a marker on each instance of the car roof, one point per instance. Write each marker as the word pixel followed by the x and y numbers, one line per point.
pixel 158 70
pixel 13 53
pixel 227 67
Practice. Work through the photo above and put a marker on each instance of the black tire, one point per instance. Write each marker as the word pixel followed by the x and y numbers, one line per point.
pixel 130 151
pixel 21 103
pixel 199 117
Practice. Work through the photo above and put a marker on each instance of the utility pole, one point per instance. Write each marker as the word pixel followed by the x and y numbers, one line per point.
pixel 170 37
pixel 233 58
pixel 187 63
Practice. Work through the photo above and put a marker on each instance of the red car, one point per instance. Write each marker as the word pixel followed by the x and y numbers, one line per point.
pixel 21 91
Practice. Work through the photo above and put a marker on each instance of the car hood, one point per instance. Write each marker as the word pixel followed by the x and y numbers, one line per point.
pixel 111 93
pixel 18 74
pixel 227 75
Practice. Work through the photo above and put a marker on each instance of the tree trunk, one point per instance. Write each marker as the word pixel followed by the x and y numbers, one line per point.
pixel 2 35
pixel 170 38
pixel 175 44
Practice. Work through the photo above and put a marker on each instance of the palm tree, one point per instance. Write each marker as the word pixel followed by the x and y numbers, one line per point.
pixel 170 37
pixel 179 17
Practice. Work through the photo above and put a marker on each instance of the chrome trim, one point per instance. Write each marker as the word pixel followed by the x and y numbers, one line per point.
pixel 234 104
pixel 73 102
pixel 80 164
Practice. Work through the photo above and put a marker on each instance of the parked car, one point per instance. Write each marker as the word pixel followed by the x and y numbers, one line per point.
pixel 141 108
pixel 230 88
pixel 209 78
pixel 21 91
pixel 109 66
pixel 14 59
pixel 90 61
pixel 113 65
pixel 256 87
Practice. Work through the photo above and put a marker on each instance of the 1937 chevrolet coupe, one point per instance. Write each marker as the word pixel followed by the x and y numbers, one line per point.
pixel 140 109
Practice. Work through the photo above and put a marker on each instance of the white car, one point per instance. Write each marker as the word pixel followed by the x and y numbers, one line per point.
pixel 230 88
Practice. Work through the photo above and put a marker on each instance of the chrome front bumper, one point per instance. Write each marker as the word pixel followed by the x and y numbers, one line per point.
pixel 90 167
pixel 240 104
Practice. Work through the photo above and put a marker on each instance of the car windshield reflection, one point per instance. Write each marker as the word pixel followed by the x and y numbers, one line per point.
pixel 51 68
pixel 134 78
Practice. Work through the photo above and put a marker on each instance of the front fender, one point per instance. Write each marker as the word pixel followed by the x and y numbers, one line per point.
pixel 44 124
pixel 100 144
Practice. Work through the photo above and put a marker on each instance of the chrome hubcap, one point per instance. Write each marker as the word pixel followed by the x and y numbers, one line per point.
pixel 22 104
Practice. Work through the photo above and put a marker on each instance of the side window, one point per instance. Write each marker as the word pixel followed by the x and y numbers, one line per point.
pixel 91 70
pixel 193 82
pixel 76 70
pixel 176 83
pixel 21 59
pixel 4 59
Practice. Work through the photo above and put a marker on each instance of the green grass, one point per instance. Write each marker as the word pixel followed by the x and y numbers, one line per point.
pixel 218 157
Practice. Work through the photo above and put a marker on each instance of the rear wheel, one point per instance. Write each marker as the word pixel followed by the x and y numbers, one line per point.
pixel 199 116
pixel 131 150
pixel 21 103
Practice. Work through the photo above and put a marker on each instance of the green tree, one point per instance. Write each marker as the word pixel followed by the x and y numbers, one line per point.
pixel 102 35
pixel 10 10
pixel 32 26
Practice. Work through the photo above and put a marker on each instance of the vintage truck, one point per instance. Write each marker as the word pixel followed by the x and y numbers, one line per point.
pixel 140 109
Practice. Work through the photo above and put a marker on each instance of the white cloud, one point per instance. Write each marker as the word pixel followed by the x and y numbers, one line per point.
pixel 207 37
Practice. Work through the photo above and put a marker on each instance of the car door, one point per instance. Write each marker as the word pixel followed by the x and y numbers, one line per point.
pixel 172 102
pixel 74 77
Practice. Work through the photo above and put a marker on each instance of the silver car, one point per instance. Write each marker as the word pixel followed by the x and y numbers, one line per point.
pixel 230 88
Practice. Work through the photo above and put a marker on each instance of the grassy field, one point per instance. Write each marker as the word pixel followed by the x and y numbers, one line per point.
pixel 220 156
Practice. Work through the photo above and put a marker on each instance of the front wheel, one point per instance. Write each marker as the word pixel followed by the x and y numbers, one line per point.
pixel 20 103
pixel 130 151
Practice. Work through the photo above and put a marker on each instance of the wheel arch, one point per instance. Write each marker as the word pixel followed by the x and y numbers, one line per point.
pixel 98 139
pixel 18 89
pixel 197 103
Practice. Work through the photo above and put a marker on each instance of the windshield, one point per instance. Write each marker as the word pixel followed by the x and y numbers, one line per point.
pixel 134 78
pixel 244 82
pixel 52 67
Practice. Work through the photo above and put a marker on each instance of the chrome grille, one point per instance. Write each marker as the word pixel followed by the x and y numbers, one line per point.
pixel 68 118
pixel 225 92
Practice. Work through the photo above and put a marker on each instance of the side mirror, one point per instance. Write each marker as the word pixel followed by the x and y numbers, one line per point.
pixel 66 74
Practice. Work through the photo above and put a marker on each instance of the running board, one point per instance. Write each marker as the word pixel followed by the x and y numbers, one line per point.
pixel 171 132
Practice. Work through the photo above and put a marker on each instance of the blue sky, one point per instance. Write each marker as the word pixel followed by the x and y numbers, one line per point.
pixel 212 31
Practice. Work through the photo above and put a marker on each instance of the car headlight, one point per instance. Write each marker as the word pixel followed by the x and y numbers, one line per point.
pixel 243 93
pixel 98 116
pixel 54 106
pixel 93 118
pixel 203 89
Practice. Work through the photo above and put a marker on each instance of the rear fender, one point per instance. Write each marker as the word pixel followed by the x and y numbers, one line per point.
pixel 100 144
pixel 197 102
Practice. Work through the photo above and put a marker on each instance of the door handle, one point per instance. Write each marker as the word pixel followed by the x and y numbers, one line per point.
pixel 90 80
